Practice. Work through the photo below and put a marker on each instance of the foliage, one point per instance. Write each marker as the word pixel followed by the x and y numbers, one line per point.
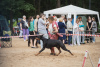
pixel 16 6
pixel 31 7
pixel 14 9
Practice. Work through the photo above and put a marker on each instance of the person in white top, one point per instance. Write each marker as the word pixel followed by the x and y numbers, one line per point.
pixel 69 28
pixel 76 31
pixel 63 16
pixel 81 28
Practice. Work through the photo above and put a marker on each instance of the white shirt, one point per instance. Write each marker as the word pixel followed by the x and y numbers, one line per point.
pixel 50 29
pixel 76 27
pixel 69 26
pixel 81 28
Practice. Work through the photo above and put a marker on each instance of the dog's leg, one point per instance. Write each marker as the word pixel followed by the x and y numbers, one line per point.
pixel 64 48
pixel 59 51
pixel 37 54
pixel 39 51
pixel 29 42
pixel 52 51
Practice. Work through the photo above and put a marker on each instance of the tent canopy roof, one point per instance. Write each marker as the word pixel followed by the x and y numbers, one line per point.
pixel 70 9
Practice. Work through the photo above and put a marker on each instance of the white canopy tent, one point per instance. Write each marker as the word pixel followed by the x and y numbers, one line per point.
pixel 74 10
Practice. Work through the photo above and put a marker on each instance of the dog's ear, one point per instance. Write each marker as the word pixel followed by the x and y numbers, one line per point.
pixel 40 37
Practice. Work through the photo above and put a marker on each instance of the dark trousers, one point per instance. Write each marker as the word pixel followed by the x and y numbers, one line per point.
pixel 69 37
pixel 31 37
pixel 38 41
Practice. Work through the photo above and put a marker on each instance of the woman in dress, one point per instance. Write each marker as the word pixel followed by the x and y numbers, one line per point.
pixel 81 30
pixel 89 27
pixel 62 28
pixel 31 32
pixel 94 29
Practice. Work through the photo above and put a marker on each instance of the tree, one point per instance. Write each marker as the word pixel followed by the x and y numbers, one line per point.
pixel 16 8
pixel 58 3
pixel 11 8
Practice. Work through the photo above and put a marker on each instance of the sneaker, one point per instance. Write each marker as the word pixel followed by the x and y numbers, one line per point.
pixel 93 42
pixel 82 43
pixel 71 45
pixel 51 53
pixel 78 44
pixel 26 39
pixel 33 47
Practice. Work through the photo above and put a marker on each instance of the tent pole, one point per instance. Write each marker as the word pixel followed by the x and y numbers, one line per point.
pixel 73 28
pixel 46 15
pixel 98 18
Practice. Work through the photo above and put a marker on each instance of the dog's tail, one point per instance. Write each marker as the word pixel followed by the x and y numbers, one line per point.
pixel 64 48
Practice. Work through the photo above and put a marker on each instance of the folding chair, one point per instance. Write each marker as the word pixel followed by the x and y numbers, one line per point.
pixel 6 42
pixel 88 37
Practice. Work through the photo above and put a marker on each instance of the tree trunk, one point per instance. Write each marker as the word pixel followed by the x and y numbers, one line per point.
pixel 83 3
pixel 35 6
pixel 58 3
pixel 11 21
pixel 38 9
pixel 47 5
pixel 75 2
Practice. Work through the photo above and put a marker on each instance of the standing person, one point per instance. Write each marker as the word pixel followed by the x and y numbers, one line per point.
pixel 69 27
pixel 76 31
pixel 36 24
pixel 24 27
pixel 42 28
pixel 65 21
pixel 62 28
pixel 81 30
pixel 89 28
pixel 63 17
pixel 21 32
pixel 47 24
pixel 55 19
pixel 31 31
pixel 52 30
pixel 94 29
pixel 66 40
